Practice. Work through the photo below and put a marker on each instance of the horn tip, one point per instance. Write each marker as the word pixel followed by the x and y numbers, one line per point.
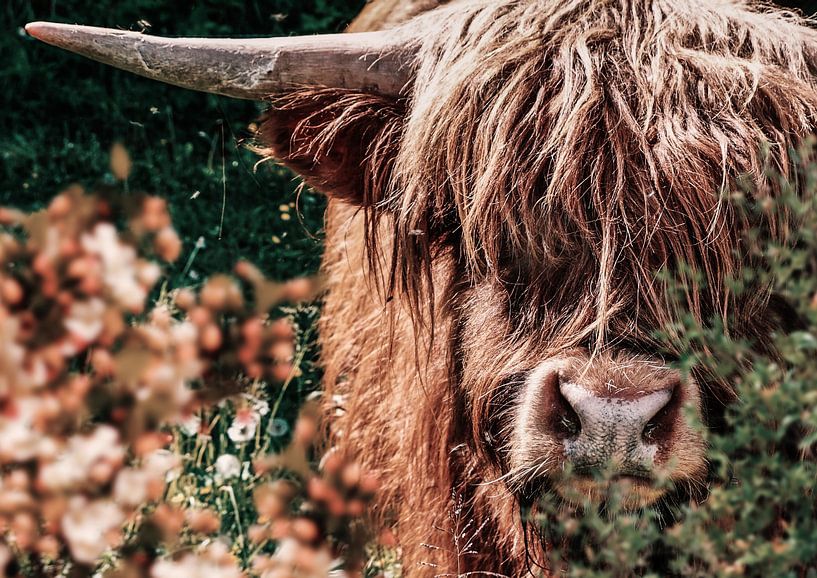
pixel 40 30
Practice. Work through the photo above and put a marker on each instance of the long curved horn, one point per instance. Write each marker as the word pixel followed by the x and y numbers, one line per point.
pixel 253 68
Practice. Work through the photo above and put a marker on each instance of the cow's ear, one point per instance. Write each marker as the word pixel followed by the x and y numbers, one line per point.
pixel 342 142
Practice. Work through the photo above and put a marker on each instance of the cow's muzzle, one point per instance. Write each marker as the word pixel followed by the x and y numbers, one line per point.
pixel 589 423
pixel 602 428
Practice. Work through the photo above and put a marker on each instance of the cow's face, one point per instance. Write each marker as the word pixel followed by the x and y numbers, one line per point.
pixel 573 419
pixel 549 403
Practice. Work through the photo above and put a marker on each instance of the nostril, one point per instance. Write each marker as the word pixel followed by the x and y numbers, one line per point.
pixel 659 427
pixel 568 425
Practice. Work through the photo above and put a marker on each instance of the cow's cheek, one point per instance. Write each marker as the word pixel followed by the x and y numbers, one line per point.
pixel 683 458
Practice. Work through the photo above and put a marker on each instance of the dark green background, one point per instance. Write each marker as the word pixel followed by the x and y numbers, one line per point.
pixel 806 6
pixel 59 115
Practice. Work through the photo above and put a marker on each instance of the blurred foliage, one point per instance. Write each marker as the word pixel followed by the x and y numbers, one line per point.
pixel 60 114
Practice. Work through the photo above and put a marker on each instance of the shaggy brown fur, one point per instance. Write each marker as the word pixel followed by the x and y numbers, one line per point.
pixel 383 14
pixel 551 157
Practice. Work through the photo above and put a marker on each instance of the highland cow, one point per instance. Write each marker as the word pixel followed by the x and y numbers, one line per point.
pixel 506 180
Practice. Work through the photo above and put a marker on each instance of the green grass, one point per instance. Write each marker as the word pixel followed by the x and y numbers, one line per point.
pixel 59 115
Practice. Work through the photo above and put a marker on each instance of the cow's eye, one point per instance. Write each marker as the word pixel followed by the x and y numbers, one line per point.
pixel 784 316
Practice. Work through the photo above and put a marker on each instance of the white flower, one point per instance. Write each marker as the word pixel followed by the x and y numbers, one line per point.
pixel 184 332
pixel 19 441
pixel 148 273
pixel 212 562
pixel 82 452
pixel 86 526
pixel 259 406
pixel 84 319
pixel 35 375
pixel 168 383
pixel 302 561
pixel 119 262
pixel 228 466
pixel 191 425
pixel 130 488
pixel 12 355
pixel 162 464
pixel 244 425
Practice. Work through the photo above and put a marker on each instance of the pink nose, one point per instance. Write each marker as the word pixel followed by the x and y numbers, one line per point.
pixel 602 424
